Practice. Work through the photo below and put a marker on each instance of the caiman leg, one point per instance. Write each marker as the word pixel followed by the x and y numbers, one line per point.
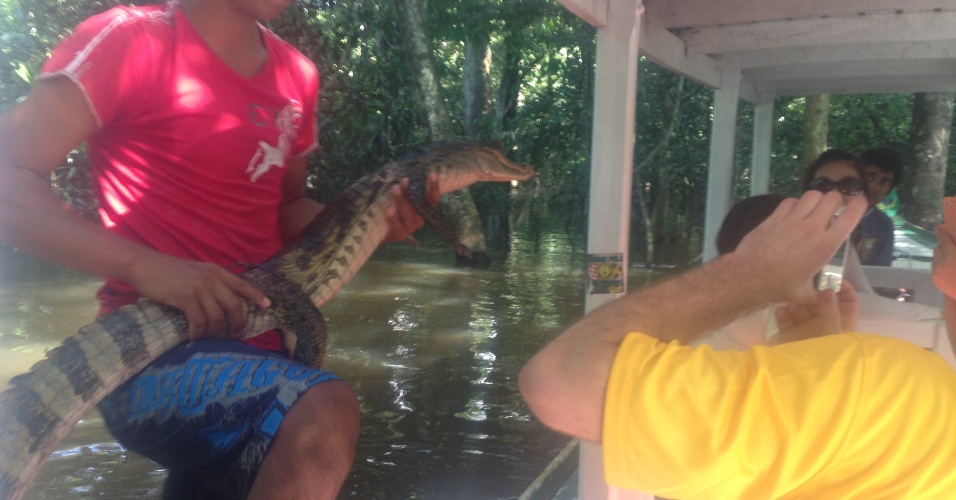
pixel 303 328
pixel 417 194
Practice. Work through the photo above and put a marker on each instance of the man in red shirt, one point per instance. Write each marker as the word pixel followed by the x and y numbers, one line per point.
pixel 199 122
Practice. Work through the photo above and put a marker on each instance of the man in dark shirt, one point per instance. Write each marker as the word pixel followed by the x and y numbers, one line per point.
pixel 873 238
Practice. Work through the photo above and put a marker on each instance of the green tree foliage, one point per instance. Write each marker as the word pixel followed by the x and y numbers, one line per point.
pixel 367 112
pixel 540 88
pixel 29 29
pixel 857 122
pixel 674 183
pixel 553 53
pixel 21 51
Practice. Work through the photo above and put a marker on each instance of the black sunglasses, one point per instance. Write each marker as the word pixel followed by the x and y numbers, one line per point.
pixel 850 186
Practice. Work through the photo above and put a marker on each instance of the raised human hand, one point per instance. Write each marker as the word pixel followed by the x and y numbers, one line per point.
pixel 832 313
pixel 402 218
pixel 795 242
pixel 210 296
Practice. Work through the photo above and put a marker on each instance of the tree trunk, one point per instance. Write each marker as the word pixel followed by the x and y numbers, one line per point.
pixel 507 105
pixel 927 152
pixel 653 218
pixel 815 127
pixel 457 206
pixel 661 209
pixel 417 43
pixel 477 68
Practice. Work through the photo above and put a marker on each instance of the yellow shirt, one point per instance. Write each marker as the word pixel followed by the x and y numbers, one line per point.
pixel 840 417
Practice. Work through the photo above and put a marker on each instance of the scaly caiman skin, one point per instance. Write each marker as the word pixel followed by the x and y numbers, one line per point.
pixel 45 403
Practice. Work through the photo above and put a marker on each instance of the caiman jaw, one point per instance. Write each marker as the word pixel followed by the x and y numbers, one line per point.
pixel 502 169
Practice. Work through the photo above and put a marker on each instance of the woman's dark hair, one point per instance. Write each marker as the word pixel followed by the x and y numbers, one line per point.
pixel 743 217
pixel 831 156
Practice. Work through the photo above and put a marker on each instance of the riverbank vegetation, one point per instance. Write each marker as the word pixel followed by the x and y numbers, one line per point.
pixel 397 74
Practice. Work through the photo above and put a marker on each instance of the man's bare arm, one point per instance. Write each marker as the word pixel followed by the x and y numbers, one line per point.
pixel 35 136
pixel 565 383
pixel 296 209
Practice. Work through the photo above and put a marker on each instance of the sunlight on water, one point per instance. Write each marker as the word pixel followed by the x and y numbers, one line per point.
pixel 401 321
pixel 95 448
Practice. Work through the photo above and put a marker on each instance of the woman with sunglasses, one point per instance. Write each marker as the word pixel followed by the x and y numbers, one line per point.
pixel 841 170
pixel 872 239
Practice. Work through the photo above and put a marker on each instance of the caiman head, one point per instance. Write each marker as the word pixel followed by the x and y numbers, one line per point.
pixel 462 164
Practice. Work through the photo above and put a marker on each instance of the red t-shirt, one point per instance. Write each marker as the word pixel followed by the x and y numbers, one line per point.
pixel 190 155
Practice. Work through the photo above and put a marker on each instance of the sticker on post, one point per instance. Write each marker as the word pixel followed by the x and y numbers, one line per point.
pixel 605 273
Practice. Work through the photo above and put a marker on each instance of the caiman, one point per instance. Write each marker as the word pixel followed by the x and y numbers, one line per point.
pixel 46 402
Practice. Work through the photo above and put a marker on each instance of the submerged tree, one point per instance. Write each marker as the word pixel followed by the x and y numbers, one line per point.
pixel 459 205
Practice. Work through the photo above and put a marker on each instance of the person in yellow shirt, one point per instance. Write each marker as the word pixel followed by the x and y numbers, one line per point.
pixel 838 415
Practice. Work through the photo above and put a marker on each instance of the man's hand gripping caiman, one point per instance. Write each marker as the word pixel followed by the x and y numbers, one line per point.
pixel 44 404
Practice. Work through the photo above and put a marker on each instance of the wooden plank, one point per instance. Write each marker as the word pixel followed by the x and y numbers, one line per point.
pixel 665 49
pixel 877 28
pixel 591 485
pixel 721 165
pixel 862 85
pixel 593 12
pixel 853 88
pixel 612 149
pixel 555 475
pixel 915 69
pixel 748 92
pixel 763 135
pixel 612 158
pixel 701 13
pixel 869 51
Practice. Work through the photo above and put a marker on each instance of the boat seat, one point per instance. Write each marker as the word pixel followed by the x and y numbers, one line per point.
pixel 918 284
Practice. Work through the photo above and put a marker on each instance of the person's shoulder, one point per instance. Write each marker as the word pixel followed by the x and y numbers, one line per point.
pixel 876 218
pixel 893 357
pixel 291 57
pixel 882 217
pixel 105 39
pixel 124 16
pixel 120 25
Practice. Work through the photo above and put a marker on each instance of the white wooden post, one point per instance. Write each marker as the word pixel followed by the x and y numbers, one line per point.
pixel 612 149
pixel 721 165
pixel 763 134
pixel 612 156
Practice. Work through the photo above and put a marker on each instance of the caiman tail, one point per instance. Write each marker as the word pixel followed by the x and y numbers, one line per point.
pixel 44 404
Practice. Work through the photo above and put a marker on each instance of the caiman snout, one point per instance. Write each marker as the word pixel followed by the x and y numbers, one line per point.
pixel 497 168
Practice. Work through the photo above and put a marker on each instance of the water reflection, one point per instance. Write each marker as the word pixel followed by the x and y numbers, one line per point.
pixel 433 351
pixel 445 419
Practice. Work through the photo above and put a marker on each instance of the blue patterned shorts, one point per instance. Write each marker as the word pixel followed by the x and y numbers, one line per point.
pixel 209 409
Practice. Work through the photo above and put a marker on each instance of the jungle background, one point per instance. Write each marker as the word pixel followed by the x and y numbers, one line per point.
pixel 399 74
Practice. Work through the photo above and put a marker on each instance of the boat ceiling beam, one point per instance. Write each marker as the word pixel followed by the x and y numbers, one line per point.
pixel 700 13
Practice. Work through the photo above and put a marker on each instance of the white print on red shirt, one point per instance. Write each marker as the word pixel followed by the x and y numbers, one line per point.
pixel 268 156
